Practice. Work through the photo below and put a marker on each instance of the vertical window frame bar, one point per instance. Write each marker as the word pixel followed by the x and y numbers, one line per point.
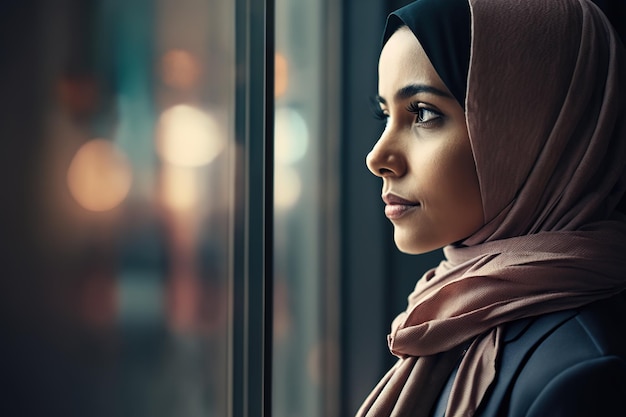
pixel 251 286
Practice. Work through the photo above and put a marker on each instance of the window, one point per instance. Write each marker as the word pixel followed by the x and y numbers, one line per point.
pixel 306 215
pixel 138 238
pixel 123 239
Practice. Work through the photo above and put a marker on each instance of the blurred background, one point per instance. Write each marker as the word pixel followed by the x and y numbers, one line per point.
pixel 121 224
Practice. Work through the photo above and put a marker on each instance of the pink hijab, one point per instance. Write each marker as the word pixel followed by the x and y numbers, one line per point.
pixel 546 113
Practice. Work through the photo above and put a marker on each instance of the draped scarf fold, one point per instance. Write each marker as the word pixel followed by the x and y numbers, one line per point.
pixel 546 114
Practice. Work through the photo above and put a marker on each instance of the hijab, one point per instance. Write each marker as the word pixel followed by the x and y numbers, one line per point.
pixel 544 93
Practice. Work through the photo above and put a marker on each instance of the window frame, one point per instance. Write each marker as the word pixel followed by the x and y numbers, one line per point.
pixel 250 360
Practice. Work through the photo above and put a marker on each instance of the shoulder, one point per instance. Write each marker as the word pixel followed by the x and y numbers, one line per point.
pixel 571 363
pixel 594 387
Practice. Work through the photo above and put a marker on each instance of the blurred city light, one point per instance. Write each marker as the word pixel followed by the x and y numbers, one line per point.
pixel 291 136
pixel 99 176
pixel 179 187
pixel 188 136
pixel 180 69
pixel 281 75
pixel 287 187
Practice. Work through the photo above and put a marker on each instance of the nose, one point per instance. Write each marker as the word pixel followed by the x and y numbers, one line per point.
pixel 386 159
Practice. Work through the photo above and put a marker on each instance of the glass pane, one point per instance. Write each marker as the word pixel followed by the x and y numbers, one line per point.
pixel 120 281
pixel 305 286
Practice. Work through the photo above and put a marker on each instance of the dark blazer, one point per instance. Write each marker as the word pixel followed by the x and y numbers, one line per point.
pixel 570 363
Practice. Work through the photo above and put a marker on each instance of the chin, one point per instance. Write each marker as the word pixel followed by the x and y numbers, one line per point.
pixel 414 246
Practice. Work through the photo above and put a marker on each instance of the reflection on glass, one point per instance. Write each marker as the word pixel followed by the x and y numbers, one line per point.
pixel 127 298
pixel 303 343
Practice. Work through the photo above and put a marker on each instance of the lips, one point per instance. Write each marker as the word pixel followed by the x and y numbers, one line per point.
pixel 397 207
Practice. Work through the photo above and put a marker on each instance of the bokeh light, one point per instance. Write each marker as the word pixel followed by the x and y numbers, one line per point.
pixel 281 75
pixel 79 94
pixel 287 187
pixel 99 176
pixel 188 136
pixel 179 187
pixel 291 137
pixel 180 69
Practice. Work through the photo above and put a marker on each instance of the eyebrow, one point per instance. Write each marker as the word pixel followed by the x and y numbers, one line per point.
pixel 413 89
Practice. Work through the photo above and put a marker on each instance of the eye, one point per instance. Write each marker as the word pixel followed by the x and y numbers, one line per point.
pixel 377 112
pixel 424 115
pixel 380 114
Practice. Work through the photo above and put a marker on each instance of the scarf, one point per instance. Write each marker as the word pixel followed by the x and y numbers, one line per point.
pixel 545 106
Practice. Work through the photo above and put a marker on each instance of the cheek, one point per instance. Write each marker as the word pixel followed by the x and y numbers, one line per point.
pixel 453 178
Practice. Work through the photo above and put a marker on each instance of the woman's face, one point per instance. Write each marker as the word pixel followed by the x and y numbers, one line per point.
pixel 424 155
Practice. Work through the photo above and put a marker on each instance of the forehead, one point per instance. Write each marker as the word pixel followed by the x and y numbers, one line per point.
pixel 402 62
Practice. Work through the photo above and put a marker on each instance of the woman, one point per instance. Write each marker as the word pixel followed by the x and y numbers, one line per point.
pixel 505 144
